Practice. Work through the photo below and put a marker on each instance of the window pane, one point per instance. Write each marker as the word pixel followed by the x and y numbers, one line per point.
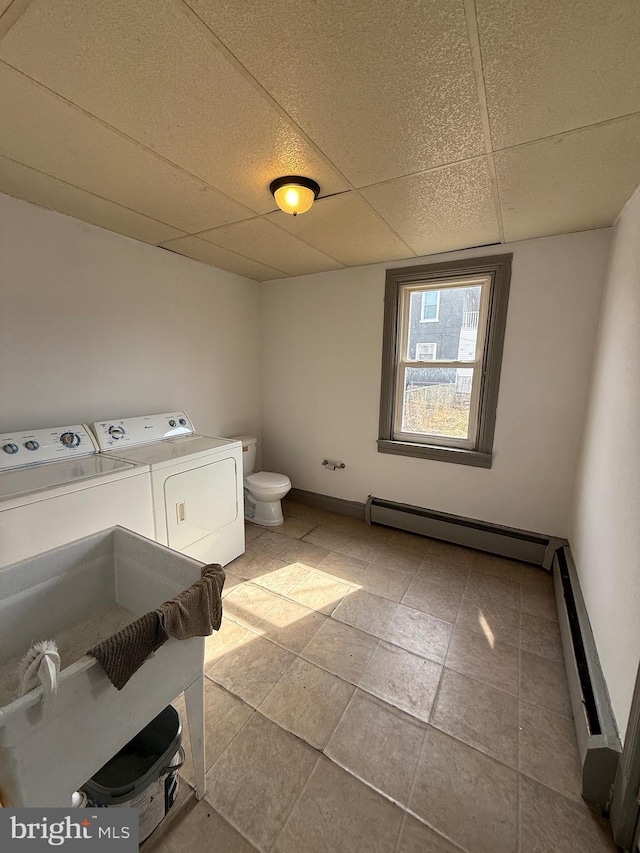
pixel 436 401
pixel 452 315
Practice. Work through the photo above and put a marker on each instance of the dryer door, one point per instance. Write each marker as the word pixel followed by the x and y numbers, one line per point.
pixel 200 501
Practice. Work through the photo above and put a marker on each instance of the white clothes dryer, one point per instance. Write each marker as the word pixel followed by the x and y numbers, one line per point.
pixel 196 482
pixel 55 487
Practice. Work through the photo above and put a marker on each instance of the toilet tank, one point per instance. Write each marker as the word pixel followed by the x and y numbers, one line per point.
pixel 249 445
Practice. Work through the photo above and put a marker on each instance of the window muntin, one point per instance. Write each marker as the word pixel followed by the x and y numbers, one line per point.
pixel 437 399
pixel 468 345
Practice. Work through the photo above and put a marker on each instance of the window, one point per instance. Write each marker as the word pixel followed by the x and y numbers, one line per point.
pixel 430 312
pixel 439 399
pixel 426 352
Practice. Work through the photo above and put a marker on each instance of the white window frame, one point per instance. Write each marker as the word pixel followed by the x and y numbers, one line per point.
pixel 435 319
pixel 477 448
pixel 403 363
pixel 434 353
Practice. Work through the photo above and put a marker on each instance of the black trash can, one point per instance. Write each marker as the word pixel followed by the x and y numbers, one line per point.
pixel 144 774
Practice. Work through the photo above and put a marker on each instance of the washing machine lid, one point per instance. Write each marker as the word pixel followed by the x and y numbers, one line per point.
pixel 267 480
pixel 51 475
pixel 172 451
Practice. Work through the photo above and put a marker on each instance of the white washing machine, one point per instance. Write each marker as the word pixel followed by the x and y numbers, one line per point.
pixel 55 487
pixel 196 482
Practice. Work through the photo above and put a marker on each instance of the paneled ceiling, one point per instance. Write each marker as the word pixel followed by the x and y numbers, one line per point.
pixel 430 125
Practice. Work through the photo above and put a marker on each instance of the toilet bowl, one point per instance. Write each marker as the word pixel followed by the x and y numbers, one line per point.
pixel 264 490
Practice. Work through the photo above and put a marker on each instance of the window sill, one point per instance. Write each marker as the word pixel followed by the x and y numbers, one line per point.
pixel 439 454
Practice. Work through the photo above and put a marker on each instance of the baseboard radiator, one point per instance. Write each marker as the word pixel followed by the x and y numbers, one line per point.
pixel 483 536
pixel 598 742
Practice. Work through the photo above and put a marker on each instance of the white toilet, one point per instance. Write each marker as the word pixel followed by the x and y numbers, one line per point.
pixel 263 491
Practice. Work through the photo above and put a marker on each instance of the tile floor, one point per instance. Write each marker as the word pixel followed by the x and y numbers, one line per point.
pixel 371 691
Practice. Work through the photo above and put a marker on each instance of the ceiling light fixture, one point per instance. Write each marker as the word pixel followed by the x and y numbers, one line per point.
pixel 294 194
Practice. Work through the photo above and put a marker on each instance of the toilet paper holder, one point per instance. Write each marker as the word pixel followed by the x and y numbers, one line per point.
pixel 332 464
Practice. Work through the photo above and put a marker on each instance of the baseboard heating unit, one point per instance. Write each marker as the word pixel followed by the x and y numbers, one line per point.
pixel 598 742
pixel 483 536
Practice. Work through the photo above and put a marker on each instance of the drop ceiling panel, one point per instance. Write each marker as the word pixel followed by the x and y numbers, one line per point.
pixel 447 208
pixel 556 65
pixel 151 70
pixel 201 250
pixel 22 182
pixel 264 242
pixel 51 135
pixel 346 228
pixel 383 88
pixel 572 182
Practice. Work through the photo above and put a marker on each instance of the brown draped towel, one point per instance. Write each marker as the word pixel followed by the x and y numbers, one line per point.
pixel 195 612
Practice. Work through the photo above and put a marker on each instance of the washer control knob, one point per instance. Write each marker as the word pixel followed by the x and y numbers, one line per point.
pixel 70 439
pixel 116 432
pixel 10 448
pixel 183 422
pixel 172 423
pixel 31 444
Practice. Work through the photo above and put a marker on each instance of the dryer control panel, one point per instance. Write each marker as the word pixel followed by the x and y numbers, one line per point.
pixel 131 432
pixel 28 447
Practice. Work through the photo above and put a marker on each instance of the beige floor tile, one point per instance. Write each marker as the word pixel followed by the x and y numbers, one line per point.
pixel 403 679
pixel 252 669
pixel 548 750
pixel 256 781
pixel 291 509
pixel 443 572
pixel 231 581
pixel 466 795
pixel 500 567
pixel 254 563
pixel 379 744
pixel 493 592
pixel 479 715
pixel 484 659
pixel 320 592
pixel 343 568
pixel 326 537
pixel 249 604
pixel 195 829
pixel 418 838
pixel 497 624
pixel 361 548
pixel 420 633
pixel 538 595
pixel 283 580
pixel 218 644
pixel 367 612
pixel 341 649
pixel 543 682
pixel 411 542
pixel 271 543
pixel 397 559
pixel 291 625
pixel 308 701
pixel 296 528
pixel 385 582
pixel 339 813
pixel 305 553
pixel 541 636
pixel 551 822
pixel 440 598
pixel 448 554
pixel 224 716
pixel 252 531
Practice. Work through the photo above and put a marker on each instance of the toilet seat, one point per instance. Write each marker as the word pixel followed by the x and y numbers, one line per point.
pixel 267 482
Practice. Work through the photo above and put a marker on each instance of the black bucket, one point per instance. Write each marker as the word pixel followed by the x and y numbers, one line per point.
pixel 144 774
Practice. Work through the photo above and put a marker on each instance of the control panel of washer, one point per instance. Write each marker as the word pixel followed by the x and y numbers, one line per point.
pixel 45 445
pixel 130 432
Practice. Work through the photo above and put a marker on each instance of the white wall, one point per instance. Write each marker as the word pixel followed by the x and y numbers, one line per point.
pixel 605 537
pixel 322 344
pixel 95 325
